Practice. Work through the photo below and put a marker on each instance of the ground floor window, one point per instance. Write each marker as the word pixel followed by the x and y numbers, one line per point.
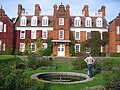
pixel 88 49
pixel 4 47
pixel 77 48
pixel 118 48
pixel 33 47
pixel 44 45
pixel 22 47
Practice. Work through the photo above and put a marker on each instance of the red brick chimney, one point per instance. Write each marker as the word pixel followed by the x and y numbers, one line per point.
pixel 85 10
pixel 103 11
pixel 55 9
pixel 19 9
pixel 68 9
pixel 37 9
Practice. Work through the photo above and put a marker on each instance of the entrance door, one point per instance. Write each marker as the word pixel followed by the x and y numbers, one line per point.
pixel 61 50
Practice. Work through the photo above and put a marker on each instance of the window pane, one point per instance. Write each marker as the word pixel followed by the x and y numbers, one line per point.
pixel 61 34
pixel 1 26
pixel 22 34
pixel 61 21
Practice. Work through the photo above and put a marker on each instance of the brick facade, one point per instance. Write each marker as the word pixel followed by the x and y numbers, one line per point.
pixel 114 35
pixel 6 34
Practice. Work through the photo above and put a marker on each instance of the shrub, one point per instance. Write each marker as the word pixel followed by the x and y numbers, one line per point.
pixel 112 79
pixel 81 55
pixel 34 63
pixel 79 64
pixel 106 65
pixel 115 54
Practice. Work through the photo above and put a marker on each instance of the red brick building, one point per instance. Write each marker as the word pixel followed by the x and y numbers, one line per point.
pixel 6 33
pixel 58 25
pixel 114 35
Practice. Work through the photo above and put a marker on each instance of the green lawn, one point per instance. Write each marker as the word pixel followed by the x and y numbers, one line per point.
pixel 67 67
pixel 6 56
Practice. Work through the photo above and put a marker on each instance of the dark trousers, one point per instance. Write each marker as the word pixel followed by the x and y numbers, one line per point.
pixel 90 70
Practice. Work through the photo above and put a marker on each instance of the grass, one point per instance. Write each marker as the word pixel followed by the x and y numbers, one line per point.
pixel 67 67
pixel 6 56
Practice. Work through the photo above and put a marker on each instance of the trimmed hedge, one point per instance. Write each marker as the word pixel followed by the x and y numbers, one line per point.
pixel 115 54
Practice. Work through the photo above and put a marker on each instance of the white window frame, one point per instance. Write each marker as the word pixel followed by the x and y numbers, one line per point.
pixel 117 29
pixel 5 27
pixel 77 35
pixel 118 48
pixel 61 21
pixel 99 22
pixel 88 22
pixel 1 26
pixel 34 21
pixel 32 47
pixel 44 45
pixel 22 49
pixel 45 20
pixel 0 45
pixel 88 37
pixel 77 22
pixel 76 48
pixel 33 34
pixel 61 34
pixel 3 46
pixel 23 21
pixel 22 36
pixel 44 34
pixel 88 49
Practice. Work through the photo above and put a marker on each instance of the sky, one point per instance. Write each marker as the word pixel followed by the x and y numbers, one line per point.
pixel 112 6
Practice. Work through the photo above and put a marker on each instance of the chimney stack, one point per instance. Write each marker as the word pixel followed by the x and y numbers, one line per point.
pixel 103 11
pixel 55 9
pixel 19 9
pixel 68 9
pixel 85 10
pixel 37 9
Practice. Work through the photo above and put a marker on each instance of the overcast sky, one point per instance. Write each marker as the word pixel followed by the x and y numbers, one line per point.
pixel 112 6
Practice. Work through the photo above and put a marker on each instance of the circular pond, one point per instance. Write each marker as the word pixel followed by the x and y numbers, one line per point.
pixel 61 77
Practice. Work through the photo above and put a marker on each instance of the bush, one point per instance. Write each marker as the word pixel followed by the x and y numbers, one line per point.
pixel 112 79
pixel 81 55
pixel 35 63
pixel 106 65
pixel 103 54
pixel 79 64
pixel 115 54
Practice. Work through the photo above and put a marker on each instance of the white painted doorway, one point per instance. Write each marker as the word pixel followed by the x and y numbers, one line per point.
pixel 61 50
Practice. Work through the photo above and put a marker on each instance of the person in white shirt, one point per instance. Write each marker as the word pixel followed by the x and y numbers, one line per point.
pixel 90 62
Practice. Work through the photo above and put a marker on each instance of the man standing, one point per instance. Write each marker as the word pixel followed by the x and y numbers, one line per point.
pixel 90 62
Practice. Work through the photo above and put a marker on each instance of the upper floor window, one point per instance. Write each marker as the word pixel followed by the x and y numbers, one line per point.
pixel 77 35
pixel 33 34
pixel 45 21
pixel 99 22
pixel 118 29
pixel 23 21
pixel 88 49
pixel 88 35
pixel 34 21
pixel 22 34
pixel 22 47
pixel 0 45
pixel 33 47
pixel 44 34
pixel 4 27
pixel 61 34
pixel 44 45
pixel 1 26
pixel 77 48
pixel 61 21
pixel 88 22
pixel 77 22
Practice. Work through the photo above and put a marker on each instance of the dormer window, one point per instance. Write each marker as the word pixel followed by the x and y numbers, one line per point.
pixel 77 22
pixel 99 22
pixel 23 21
pixel 61 21
pixel 88 22
pixel 45 21
pixel 1 26
pixel 34 21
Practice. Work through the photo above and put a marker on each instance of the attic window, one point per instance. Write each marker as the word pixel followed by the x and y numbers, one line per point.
pixel 23 21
